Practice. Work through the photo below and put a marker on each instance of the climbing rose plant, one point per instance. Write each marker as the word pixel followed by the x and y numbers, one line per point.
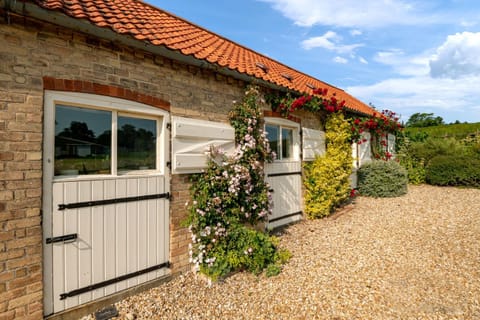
pixel 316 102
pixel 379 125
pixel 327 178
pixel 231 197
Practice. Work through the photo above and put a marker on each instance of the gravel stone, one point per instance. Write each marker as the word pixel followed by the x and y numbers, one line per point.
pixel 411 257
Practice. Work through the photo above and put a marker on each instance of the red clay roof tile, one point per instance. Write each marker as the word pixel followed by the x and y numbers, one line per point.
pixel 148 23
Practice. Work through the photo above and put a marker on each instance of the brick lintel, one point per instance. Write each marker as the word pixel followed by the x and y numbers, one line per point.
pixel 50 83
pixel 274 114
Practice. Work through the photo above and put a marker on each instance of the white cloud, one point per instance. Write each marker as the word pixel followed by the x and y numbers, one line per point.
pixel 355 32
pixel 442 80
pixel 468 24
pixel 403 64
pixel 390 57
pixel 457 57
pixel 330 41
pixel 362 60
pixel 340 60
pixel 448 98
pixel 348 13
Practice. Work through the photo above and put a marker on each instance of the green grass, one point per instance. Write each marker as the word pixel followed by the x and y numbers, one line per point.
pixel 457 131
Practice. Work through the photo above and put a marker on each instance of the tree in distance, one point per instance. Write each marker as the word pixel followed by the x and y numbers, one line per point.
pixel 418 120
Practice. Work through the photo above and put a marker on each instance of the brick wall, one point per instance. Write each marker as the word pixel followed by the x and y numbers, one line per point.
pixel 180 237
pixel 20 183
pixel 32 52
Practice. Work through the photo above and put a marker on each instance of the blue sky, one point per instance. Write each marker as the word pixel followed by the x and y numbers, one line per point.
pixel 403 55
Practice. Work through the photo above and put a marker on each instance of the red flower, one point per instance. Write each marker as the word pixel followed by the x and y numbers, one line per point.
pixel 319 91
pixel 357 121
pixel 371 124
pixel 353 193
pixel 298 103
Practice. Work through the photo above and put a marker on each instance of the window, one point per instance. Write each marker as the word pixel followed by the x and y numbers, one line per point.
pixel 273 135
pixel 281 141
pixel 287 143
pixel 136 143
pixel 84 144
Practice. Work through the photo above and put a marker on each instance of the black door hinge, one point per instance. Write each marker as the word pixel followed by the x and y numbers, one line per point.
pixel 65 238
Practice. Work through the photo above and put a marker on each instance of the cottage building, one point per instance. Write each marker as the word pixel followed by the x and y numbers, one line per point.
pixel 106 107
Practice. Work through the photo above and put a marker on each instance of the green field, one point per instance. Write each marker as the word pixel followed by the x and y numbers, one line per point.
pixel 457 131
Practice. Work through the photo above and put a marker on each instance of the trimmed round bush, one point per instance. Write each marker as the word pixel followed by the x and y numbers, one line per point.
pixel 454 170
pixel 382 179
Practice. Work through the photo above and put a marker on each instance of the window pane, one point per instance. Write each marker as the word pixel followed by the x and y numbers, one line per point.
pixel 136 143
pixel 82 141
pixel 287 143
pixel 274 138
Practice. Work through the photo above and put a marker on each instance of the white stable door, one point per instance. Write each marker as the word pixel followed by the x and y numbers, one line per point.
pixel 285 174
pixel 106 197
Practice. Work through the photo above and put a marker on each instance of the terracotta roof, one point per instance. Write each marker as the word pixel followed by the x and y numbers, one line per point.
pixel 147 23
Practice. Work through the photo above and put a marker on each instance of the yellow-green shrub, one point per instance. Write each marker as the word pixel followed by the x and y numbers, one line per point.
pixel 327 183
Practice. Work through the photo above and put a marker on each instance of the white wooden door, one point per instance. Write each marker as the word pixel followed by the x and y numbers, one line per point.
pixel 113 240
pixel 103 232
pixel 391 144
pixel 285 174
pixel 365 150
pixel 285 181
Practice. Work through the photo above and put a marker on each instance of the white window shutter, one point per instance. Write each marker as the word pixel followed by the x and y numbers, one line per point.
pixel 365 149
pixel 191 139
pixel 313 143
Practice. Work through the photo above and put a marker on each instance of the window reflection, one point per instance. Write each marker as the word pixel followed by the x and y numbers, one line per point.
pixel 273 138
pixel 136 143
pixel 287 143
pixel 82 141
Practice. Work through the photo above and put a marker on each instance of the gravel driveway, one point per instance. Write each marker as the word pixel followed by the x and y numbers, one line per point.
pixel 413 257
